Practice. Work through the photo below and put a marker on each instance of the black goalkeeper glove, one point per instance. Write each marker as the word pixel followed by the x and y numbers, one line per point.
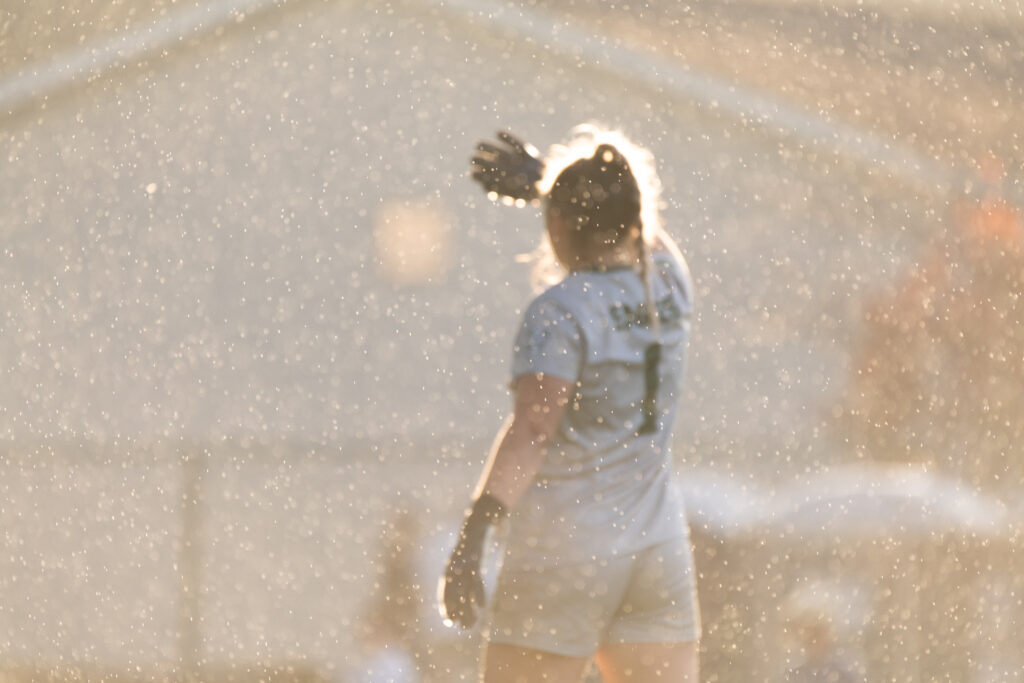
pixel 462 590
pixel 511 168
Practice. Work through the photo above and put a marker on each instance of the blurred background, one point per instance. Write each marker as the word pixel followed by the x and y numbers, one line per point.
pixel 256 322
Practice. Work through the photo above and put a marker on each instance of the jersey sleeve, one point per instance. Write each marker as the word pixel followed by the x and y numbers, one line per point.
pixel 550 341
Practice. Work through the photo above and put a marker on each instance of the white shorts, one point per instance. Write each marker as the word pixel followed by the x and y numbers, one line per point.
pixel 649 597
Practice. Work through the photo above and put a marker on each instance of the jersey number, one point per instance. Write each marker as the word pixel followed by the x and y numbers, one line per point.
pixel 652 356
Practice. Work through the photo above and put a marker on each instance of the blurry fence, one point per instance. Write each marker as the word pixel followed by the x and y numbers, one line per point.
pixel 247 562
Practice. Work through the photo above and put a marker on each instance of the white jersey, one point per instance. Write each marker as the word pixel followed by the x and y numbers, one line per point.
pixel 605 487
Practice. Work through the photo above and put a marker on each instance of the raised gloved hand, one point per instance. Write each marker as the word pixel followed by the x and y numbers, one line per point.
pixel 510 168
pixel 462 587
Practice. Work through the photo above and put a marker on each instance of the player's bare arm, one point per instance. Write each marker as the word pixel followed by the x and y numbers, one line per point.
pixel 518 454
pixel 540 402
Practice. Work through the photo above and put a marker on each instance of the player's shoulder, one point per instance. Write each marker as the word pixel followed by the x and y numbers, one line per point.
pixel 564 300
pixel 568 293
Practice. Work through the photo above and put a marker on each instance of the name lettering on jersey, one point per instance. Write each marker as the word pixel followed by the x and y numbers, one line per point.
pixel 625 316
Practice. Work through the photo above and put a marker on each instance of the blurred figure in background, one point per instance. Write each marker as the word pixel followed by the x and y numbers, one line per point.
pixel 390 639
pixel 384 655
pixel 815 615
pixel 938 368
pixel 398 574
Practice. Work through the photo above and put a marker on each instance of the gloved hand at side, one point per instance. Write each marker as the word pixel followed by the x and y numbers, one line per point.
pixel 462 588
